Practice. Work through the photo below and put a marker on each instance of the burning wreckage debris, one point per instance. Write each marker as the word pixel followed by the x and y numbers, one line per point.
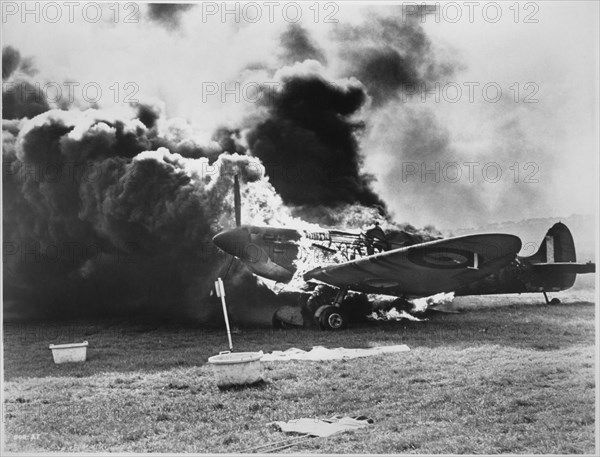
pixel 389 312
pixel 317 248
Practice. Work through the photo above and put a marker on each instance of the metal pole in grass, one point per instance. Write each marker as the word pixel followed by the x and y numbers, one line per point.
pixel 221 293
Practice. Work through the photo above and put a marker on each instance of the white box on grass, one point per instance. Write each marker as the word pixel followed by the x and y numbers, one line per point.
pixel 75 352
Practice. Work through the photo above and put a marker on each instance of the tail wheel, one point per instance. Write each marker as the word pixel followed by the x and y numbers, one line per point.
pixel 332 318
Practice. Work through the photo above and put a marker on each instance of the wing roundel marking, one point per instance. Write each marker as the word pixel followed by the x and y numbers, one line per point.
pixel 444 258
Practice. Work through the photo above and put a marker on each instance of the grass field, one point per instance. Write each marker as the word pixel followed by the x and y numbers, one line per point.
pixel 506 375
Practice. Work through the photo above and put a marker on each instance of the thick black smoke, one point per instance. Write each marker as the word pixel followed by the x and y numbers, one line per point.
pixel 11 58
pixel 298 46
pixel 311 134
pixel 22 100
pixel 391 56
pixel 314 124
pixel 114 213
pixel 168 14
pixel 384 71
pixel 97 222
pixel 20 97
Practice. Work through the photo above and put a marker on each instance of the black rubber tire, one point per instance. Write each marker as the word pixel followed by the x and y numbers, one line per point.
pixel 332 318
pixel 555 301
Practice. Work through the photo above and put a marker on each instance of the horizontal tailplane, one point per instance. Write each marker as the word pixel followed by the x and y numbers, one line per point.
pixel 564 268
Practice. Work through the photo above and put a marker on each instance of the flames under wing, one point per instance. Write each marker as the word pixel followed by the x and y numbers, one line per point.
pixel 423 269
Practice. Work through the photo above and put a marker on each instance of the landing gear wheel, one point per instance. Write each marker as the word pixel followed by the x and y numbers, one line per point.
pixel 555 301
pixel 332 318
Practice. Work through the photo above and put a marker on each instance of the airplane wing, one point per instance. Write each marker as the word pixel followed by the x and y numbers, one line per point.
pixel 423 269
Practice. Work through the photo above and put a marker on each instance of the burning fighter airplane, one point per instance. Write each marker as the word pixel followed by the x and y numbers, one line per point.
pixel 372 262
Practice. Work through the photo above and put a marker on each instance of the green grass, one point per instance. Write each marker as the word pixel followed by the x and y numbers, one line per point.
pixel 497 378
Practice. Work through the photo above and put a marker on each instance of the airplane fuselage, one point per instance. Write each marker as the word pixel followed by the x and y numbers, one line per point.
pixel 280 253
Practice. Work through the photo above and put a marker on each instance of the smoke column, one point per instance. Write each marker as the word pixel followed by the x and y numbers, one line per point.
pixel 168 14
pixel 101 218
pixel 112 210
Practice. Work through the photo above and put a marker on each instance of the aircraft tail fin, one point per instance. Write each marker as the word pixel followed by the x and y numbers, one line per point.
pixel 556 247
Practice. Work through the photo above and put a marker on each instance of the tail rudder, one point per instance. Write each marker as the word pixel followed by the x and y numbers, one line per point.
pixel 557 246
pixel 555 262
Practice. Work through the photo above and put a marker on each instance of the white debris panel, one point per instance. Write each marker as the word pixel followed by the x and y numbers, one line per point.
pixel 323 427
pixel 319 353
